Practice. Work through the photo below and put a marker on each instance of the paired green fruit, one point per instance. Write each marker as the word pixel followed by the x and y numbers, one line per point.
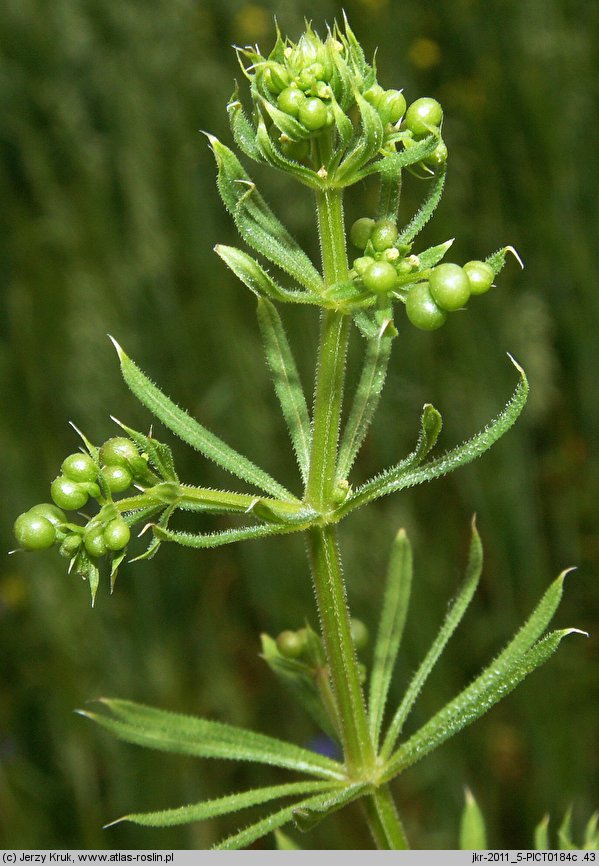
pixel 33 531
pixel 422 311
pixel 422 115
pixel 449 286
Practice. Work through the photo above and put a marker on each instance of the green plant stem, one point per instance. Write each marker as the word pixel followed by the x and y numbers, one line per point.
pixel 325 561
pixel 341 658
pixel 327 409
pixel 383 820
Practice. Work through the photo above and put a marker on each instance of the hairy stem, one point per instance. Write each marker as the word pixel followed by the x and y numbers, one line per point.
pixel 341 657
pixel 383 820
pixel 323 550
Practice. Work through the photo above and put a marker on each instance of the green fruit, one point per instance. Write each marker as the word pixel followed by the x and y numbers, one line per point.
pixel 94 541
pixel 68 494
pixel 118 478
pixel 119 452
pixel 362 264
pixel 421 309
pixel 290 99
pixel 296 150
pixel 313 114
pixel 391 106
pixel 291 644
pixel 34 532
pixel 438 157
pixel 449 286
pixel 79 467
pixel 360 232
pixel 384 235
pixel 480 276
pixel 91 488
pixel 373 94
pixel 117 534
pixel 422 114
pixel 55 515
pixel 70 545
pixel 379 277
pixel 359 633
pixel 276 77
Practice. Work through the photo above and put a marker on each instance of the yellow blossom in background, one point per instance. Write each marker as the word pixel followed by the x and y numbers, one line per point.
pixel 424 53
pixel 252 22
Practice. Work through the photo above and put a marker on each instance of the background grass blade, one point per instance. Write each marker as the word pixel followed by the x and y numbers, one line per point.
pixel 473 832
pixel 390 631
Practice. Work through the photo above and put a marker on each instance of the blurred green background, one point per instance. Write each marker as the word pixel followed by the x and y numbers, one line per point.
pixel 109 215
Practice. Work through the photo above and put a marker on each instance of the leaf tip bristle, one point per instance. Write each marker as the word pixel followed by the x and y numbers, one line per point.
pixel 116 821
pixel 120 352
pixel 516 365
pixel 516 255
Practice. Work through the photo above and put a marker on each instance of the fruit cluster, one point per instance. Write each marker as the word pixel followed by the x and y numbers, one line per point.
pixel 296 644
pixel 118 465
pixel 387 267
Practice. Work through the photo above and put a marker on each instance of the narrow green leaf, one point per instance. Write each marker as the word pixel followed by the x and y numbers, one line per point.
pixel 285 123
pixel 390 631
pixel 433 255
pixel 287 383
pixel 155 542
pixel 541 835
pixel 345 127
pixel 191 431
pixel 537 622
pixel 366 398
pixel 489 688
pixel 473 832
pixel 115 563
pixel 392 163
pixel 366 144
pixel 273 156
pixel 187 735
pixel 426 210
pixel 452 619
pixel 93 578
pixel 258 280
pixel 497 259
pixel 389 195
pixel 222 805
pixel 256 223
pixel 404 474
pixel 242 129
pixel 278 819
pixel 225 536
